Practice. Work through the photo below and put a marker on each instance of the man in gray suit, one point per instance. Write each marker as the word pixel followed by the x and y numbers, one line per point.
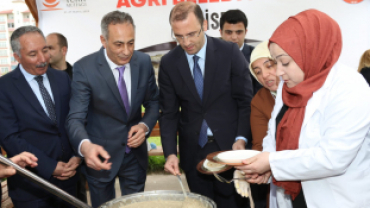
pixel 105 124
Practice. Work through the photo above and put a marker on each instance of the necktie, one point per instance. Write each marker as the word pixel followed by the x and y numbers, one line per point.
pixel 47 99
pixel 198 80
pixel 124 96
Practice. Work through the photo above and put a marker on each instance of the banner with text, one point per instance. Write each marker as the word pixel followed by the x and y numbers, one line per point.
pixel 79 20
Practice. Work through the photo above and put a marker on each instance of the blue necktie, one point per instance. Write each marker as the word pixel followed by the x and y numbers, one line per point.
pixel 50 107
pixel 123 92
pixel 198 80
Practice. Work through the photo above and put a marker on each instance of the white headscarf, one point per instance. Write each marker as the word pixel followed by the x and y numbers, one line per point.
pixel 260 51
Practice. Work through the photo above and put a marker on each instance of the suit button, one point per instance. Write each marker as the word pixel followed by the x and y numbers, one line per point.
pixel 59 135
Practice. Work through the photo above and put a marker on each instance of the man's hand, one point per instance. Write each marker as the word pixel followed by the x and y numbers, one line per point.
pixel 59 169
pixel 239 145
pixel 69 169
pixel 91 153
pixel 23 159
pixel 172 165
pixel 136 135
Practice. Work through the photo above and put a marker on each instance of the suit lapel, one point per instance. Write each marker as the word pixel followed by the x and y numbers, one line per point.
pixel 183 67
pixel 134 65
pixel 25 89
pixel 107 74
pixel 56 93
pixel 247 52
pixel 210 69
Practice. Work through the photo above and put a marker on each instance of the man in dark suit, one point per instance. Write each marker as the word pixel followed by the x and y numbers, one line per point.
pixel 233 24
pixel 105 123
pixel 34 103
pixel 208 79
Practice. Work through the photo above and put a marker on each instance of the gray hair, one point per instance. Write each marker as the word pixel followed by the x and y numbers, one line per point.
pixel 115 17
pixel 14 39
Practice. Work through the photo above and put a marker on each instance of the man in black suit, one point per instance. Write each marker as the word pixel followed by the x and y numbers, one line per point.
pixel 34 103
pixel 233 24
pixel 205 94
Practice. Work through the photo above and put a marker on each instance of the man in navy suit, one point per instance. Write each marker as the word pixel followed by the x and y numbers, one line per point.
pixel 105 123
pixel 34 106
pixel 205 94
pixel 233 28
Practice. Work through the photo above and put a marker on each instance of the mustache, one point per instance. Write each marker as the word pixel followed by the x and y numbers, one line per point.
pixel 42 65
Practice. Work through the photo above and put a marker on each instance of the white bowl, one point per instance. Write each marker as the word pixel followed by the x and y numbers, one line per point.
pixel 236 156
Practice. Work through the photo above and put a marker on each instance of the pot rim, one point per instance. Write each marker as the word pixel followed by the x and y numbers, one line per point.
pixel 156 192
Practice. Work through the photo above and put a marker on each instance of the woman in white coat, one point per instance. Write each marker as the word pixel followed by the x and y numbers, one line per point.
pixel 317 149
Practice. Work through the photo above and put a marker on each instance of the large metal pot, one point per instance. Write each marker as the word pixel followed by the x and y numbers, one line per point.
pixel 115 203
pixel 157 195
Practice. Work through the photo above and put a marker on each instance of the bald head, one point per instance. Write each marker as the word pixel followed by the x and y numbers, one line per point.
pixel 58 48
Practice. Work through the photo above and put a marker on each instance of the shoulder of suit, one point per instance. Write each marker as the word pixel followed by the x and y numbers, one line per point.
pixel 89 57
pixel 8 76
pixel 174 52
pixel 5 78
pixel 59 73
pixel 56 71
pixel 249 46
pixel 141 55
pixel 220 42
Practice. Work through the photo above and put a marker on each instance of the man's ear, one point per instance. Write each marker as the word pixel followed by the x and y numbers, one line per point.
pixel 17 57
pixel 103 41
pixel 205 28
pixel 64 50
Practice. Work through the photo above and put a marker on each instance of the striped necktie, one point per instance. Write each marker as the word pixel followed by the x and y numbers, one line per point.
pixel 198 80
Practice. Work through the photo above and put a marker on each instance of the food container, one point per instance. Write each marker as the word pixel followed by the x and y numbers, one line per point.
pixel 115 203
pixel 157 195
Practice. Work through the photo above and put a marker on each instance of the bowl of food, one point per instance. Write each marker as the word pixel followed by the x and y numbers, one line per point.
pixel 161 199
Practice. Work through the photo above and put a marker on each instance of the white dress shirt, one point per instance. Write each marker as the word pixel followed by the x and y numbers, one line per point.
pixel 241 48
pixel 126 74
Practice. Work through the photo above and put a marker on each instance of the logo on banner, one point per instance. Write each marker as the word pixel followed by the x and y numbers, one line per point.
pixel 51 5
pixel 353 1
pixel 76 3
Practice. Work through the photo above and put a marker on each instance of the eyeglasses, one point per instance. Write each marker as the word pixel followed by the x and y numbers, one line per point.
pixel 189 36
